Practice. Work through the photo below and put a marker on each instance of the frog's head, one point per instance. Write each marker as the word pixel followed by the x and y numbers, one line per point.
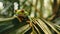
pixel 19 12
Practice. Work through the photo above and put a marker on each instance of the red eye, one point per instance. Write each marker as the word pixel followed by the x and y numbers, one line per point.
pixel 15 10
pixel 22 10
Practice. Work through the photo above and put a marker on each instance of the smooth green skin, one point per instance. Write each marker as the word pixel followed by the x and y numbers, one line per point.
pixel 24 13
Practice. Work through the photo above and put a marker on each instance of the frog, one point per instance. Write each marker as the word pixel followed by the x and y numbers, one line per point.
pixel 22 15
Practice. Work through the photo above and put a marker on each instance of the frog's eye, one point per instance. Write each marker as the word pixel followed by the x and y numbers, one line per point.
pixel 22 10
